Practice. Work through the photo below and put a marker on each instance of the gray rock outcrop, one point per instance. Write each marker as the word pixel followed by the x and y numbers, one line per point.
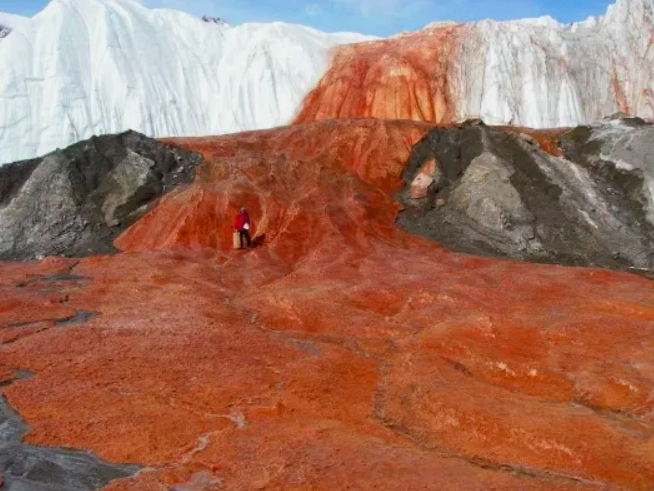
pixel 499 193
pixel 74 202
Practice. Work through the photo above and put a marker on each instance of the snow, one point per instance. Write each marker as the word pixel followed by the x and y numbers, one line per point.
pixel 13 21
pixel 9 23
pixel 105 66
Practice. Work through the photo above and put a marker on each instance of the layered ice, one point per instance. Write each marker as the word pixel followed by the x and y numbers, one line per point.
pixel 537 73
pixel 544 74
pixel 9 22
pixel 103 66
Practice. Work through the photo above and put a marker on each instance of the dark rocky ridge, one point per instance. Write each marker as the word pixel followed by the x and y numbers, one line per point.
pixel 74 202
pixel 4 31
pixel 473 188
pixel 214 20
pixel 495 193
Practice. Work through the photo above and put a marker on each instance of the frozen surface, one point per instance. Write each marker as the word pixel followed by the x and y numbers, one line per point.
pixel 543 74
pixel 9 22
pixel 102 66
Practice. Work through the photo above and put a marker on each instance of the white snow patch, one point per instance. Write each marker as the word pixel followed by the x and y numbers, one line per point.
pixel 619 164
pixel 588 219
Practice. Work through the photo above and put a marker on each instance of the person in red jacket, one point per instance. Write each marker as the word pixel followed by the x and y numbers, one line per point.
pixel 242 226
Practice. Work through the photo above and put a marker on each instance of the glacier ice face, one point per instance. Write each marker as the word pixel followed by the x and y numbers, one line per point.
pixel 537 73
pixel 13 21
pixel 544 74
pixel 103 66
pixel 9 22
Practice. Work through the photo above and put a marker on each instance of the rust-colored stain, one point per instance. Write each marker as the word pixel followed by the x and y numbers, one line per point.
pixel 405 77
pixel 547 139
pixel 340 353
pixel 310 181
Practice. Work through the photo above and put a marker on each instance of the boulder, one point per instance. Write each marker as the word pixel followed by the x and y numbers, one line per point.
pixel 429 175
pixel 74 202
pixel 505 195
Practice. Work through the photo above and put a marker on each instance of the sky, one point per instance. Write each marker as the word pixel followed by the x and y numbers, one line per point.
pixel 375 17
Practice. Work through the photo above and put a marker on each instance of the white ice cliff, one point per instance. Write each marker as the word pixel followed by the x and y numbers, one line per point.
pixel 9 22
pixel 88 67
pixel 543 74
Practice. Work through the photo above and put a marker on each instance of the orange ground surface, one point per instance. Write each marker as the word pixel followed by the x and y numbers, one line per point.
pixel 548 140
pixel 340 353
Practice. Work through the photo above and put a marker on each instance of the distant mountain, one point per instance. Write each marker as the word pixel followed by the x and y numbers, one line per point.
pixel 215 20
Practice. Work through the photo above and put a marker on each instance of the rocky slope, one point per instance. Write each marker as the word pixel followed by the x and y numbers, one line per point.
pixel 76 201
pixel 341 353
pixel 105 66
pixel 483 190
pixel 472 188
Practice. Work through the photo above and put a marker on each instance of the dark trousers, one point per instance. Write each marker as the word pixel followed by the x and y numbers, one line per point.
pixel 246 234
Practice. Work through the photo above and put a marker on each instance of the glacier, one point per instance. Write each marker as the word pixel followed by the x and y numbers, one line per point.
pixel 103 66
pixel 9 22
pixel 544 74
pixel 536 73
